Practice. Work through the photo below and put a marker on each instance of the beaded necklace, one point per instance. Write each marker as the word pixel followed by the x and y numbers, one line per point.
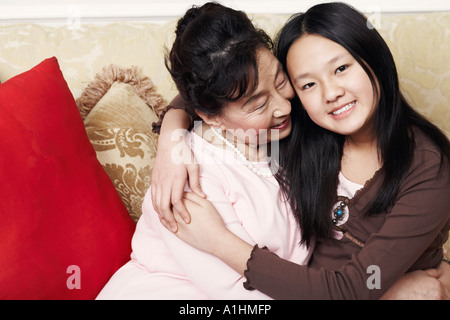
pixel 262 172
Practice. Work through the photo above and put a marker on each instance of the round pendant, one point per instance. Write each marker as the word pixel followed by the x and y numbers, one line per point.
pixel 339 210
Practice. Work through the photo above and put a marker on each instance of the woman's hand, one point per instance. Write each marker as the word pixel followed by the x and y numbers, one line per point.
pixel 174 165
pixel 444 277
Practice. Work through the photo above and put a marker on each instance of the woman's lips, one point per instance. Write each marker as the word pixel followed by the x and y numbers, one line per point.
pixel 282 125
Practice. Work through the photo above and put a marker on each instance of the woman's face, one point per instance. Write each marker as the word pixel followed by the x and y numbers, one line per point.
pixel 264 115
pixel 333 87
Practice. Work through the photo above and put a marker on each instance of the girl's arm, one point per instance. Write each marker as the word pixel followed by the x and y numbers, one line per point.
pixel 170 172
pixel 208 233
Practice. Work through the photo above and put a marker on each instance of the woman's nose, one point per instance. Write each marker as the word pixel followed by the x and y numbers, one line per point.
pixel 283 107
pixel 284 102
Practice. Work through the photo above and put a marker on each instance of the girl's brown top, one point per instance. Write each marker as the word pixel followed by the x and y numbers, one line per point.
pixel 377 250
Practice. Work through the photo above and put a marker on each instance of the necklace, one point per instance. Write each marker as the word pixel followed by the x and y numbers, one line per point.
pixel 262 172
pixel 338 212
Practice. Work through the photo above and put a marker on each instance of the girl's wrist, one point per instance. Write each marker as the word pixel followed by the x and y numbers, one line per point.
pixel 233 251
pixel 175 119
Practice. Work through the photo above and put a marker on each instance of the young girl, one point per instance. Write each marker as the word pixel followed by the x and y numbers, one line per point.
pixel 374 175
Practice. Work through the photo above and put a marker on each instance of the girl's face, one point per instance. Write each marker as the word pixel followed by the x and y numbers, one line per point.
pixel 333 87
pixel 264 115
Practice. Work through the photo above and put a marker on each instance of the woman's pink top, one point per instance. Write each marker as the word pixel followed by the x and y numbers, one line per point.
pixel 164 267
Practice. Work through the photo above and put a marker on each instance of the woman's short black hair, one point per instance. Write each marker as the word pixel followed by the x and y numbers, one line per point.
pixel 214 57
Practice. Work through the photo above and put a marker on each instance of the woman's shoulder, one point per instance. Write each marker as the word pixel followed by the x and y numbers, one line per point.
pixel 212 160
pixel 201 148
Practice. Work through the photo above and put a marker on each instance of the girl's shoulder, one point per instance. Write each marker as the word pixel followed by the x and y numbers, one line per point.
pixel 423 143
pixel 428 155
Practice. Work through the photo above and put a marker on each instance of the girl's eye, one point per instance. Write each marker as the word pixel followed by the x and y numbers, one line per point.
pixel 341 68
pixel 308 85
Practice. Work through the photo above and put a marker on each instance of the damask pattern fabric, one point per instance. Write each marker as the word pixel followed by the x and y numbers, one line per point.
pixel 119 127
pixel 127 157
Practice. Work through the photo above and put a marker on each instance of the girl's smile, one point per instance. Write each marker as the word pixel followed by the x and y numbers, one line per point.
pixel 341 112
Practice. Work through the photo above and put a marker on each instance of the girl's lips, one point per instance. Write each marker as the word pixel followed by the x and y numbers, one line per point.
pixel 282 125
pixel 343 111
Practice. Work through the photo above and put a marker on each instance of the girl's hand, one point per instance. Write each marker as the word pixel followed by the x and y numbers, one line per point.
pixel 207 232
pixel 206 229
pixel 174 165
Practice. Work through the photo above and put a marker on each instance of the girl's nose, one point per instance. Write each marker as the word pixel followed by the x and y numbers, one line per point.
pixel 332 91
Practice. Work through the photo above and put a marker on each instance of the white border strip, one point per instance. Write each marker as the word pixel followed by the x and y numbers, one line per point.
pixel 160 11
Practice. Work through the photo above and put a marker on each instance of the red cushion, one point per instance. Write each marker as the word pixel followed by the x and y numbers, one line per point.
pixel 58 208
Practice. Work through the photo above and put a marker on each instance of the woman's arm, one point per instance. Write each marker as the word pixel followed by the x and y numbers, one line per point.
pixel 209 274
pixel 169 173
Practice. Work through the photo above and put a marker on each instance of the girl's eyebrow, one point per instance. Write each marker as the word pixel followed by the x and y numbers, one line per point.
pixel 339 56
pixel 332 60
pixel 300 77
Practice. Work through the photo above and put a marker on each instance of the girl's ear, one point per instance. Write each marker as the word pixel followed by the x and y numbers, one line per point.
pixel 213 121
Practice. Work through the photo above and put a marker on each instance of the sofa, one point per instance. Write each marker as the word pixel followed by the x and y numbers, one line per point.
pixel 77 106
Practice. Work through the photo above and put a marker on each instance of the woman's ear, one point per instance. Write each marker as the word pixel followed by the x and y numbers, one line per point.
pixel 212 120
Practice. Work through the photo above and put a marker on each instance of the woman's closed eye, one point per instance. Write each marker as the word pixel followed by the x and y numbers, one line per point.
pixel 260 106
pixel 282 83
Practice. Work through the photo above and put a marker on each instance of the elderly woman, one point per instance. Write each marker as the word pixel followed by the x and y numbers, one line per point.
pixel 224 67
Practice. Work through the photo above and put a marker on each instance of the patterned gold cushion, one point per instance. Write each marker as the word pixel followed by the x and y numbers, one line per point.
pixel 119 127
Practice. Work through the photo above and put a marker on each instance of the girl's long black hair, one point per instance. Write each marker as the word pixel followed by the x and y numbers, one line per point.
pixel 313 154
